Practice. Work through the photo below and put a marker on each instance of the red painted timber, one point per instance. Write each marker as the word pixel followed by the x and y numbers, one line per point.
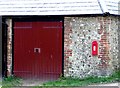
pixel 38 49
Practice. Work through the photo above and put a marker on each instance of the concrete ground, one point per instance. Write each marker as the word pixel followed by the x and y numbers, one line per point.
pixel 31 82
pixel 37 82
pixel 34 82
pixel 108 84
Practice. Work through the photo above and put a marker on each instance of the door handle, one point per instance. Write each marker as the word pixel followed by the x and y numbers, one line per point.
pixel 37 50
pixel 51 56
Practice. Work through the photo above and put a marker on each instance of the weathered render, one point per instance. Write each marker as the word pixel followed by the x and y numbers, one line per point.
pixel 9 47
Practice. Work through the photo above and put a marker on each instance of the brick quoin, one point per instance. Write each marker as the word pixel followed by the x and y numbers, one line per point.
pixel 67 43
pixel 104 44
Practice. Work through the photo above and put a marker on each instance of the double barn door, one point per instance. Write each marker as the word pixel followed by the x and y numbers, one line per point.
pixel 38 49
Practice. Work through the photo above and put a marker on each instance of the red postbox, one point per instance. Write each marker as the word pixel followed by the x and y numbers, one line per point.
pixel 94 48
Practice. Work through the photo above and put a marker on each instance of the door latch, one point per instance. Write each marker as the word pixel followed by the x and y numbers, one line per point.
pixel 36 50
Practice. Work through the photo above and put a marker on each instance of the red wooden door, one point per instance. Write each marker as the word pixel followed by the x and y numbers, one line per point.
pixel 38 49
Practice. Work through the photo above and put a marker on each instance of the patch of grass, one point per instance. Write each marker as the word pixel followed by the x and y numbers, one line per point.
pixel 11 81
pixel 69 81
